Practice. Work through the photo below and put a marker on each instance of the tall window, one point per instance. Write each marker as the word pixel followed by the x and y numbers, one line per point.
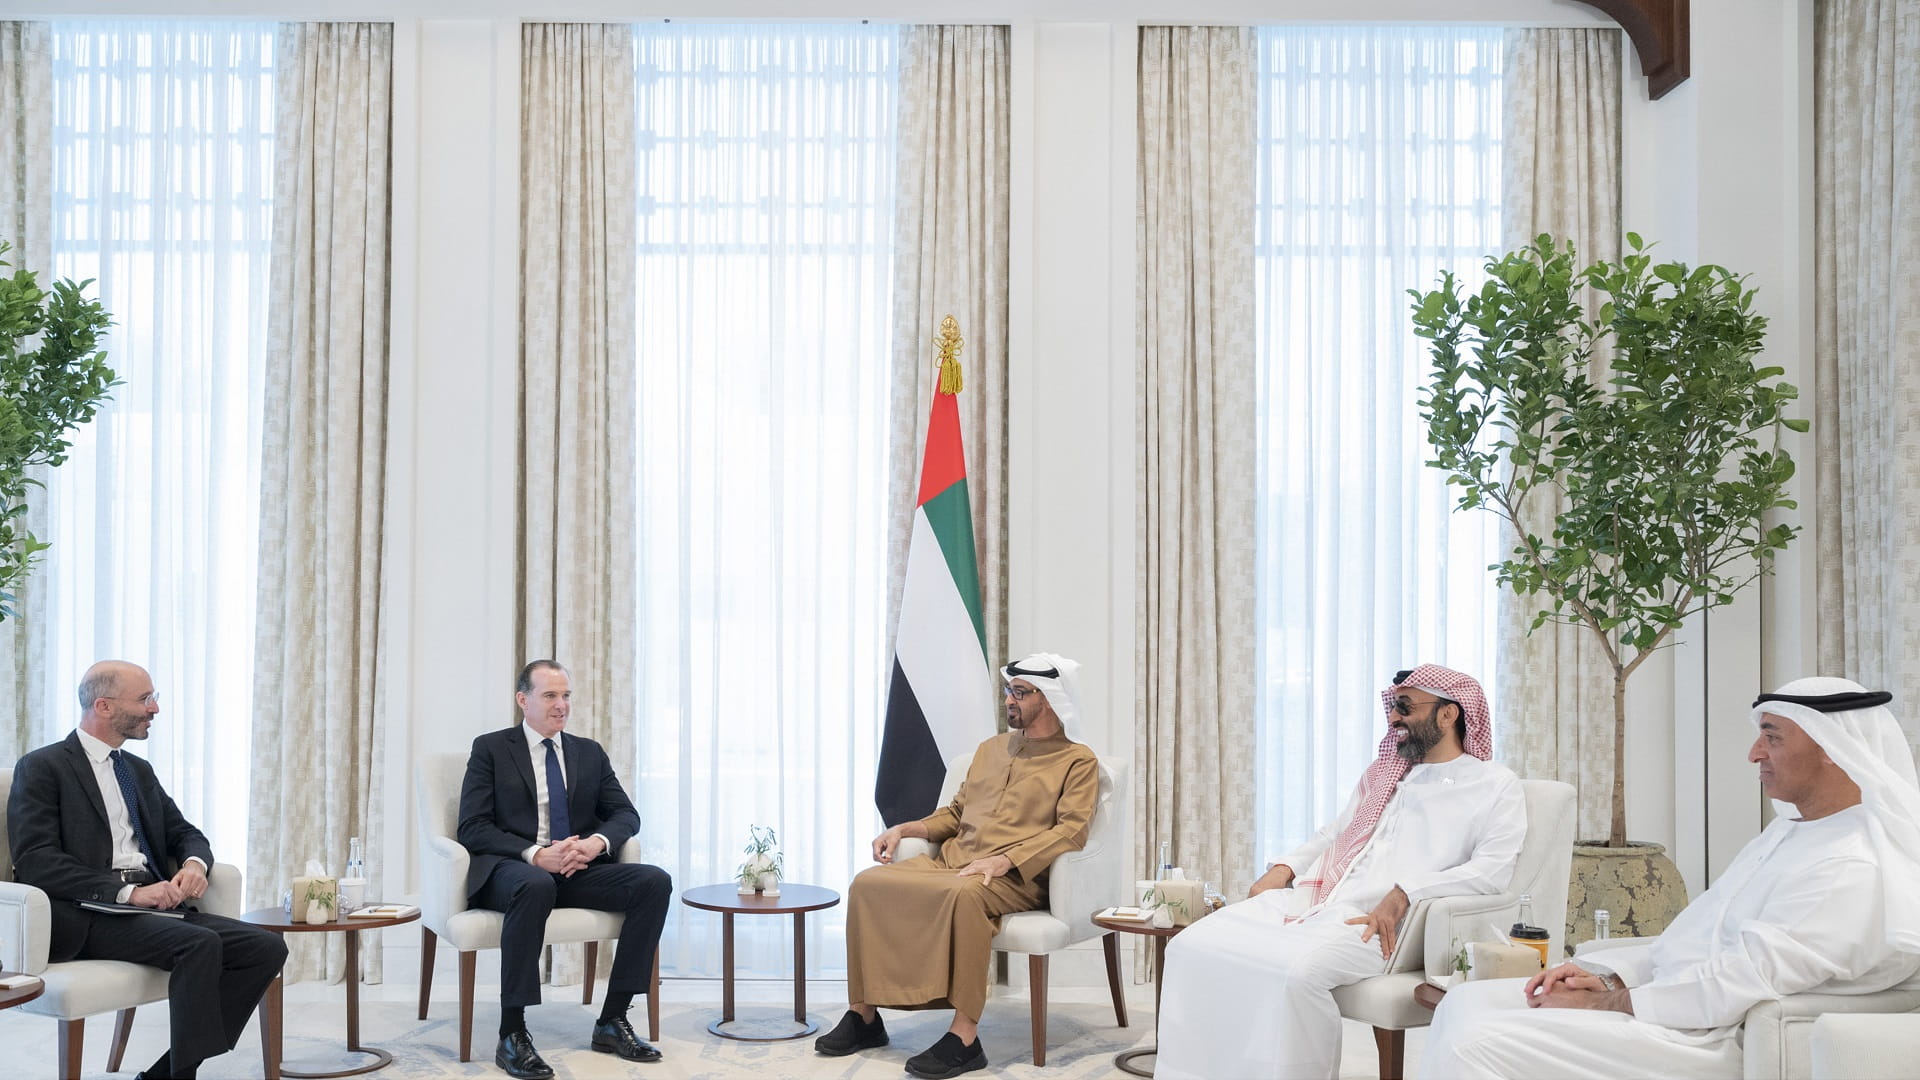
pixel 163 181
pixel 766 159
pixel 1379 167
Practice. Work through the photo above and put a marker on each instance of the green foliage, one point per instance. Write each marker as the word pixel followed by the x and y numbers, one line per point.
pixel 52 380
pixel 1666 469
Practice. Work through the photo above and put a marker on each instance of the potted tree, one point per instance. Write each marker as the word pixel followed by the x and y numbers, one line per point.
pixel 52 380
pixel 1644 432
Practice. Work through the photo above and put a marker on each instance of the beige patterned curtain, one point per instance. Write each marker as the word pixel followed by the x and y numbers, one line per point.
pixel 950 258
pixel 1194 728
pixel 1867 343
pixel 1560 175
pixel 26 223
pixel 577 402
pixel 318 693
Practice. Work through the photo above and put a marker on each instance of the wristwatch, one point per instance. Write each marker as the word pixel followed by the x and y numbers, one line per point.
pixel 1608 981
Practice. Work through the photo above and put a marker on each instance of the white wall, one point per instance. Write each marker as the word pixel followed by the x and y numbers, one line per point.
pixel 1719 170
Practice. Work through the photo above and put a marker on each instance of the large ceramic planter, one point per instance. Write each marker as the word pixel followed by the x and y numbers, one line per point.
pixel 1637 885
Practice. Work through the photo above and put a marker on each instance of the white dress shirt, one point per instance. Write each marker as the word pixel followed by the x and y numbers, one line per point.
pixel 537 754
pixel 126 847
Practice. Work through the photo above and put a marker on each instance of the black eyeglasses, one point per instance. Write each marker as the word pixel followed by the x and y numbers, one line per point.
pixel 1404 705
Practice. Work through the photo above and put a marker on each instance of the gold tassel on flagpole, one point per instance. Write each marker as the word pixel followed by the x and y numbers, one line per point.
pixel 950 344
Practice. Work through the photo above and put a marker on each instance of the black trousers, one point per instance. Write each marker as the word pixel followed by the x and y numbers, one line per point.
pixel 218 969
pixel 526 895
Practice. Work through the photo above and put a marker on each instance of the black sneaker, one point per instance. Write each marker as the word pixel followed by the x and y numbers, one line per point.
pixel 850 1034
pixel 948 1057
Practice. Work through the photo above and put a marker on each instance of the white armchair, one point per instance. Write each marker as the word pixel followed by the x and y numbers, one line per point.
pixel 1078 884
pixel 1776 1041
pixel 1546 862
pixel 77 989
pixel 444 912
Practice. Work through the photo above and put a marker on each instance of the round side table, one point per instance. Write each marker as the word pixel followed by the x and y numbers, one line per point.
pixel 275 919
pixel 795 900
pixel 1124 1061
pixel 20 995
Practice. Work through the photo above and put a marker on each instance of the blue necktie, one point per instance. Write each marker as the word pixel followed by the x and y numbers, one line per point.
pixel 124 776
pixel 559 823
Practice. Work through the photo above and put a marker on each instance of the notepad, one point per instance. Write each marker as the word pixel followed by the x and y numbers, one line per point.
pixel 1124 914
pixel 18 982
pixel 383 911
pixel 128 909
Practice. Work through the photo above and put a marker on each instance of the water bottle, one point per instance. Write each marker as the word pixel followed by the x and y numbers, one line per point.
pixel 1166 861
pixel 1602 925
pixel 353 884
pixel 1525 933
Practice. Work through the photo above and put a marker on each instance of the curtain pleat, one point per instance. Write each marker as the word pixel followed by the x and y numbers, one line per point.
pixel 1194 732
pixel 1561 175
pixel 26 224
pixel 577 496
pixel 950 258
pixel 319 698
pixel 1866 384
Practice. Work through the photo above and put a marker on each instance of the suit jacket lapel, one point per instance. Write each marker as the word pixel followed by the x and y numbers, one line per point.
pixel 82 768
pixel 517 750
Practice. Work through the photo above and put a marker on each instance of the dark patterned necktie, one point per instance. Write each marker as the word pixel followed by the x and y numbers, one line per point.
pixel 559 823
pixel 124 775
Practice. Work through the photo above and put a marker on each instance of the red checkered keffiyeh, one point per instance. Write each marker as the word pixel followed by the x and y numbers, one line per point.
pixel 1383 776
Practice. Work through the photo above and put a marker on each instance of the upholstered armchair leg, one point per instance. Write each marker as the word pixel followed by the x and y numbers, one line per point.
pixel 1110 944
pixel 122 1027
pixel 1037 995
pixel 1392 1046
pixel 428 939
pixel 467 957
pixel 653 1000
pixel 73 1037
pixel 586 982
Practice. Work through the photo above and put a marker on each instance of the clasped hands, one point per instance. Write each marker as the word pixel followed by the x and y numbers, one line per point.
pixel 888 842
pixel 570 856
pixel 189 884
pixel 1570 986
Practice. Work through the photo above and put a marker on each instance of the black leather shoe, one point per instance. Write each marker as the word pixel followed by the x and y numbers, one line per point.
pixel 617 1037
pixel 850 1034
pixel 948 1058
pixel 518 1059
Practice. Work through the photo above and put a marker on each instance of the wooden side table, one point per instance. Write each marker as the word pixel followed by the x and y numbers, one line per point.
pixel 21 995
pixel 1124 1061
pixel 275 919
pixel 795 900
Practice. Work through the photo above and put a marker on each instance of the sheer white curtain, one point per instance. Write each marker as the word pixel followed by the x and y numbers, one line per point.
pixel 1379 167
pixel 766 180
pixel 162 191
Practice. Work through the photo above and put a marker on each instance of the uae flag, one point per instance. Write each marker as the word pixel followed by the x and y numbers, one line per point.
pixel 941 701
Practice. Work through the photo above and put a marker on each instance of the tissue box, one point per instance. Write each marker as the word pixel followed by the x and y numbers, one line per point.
pixel 298 912
pixel 1499 960
pixel 1187 893
pixel 317 886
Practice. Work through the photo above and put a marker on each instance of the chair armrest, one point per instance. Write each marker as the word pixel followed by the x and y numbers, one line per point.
pixel 911 847
pixel 1778 1036
pixel 1865 1047
pixel 1076 888
pixel 630 851
pixel 443 881
pixel 1429 946
pixel 26 927
pixel 224 895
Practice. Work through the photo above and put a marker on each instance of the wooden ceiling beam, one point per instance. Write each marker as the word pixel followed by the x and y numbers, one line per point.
pixel 1658 30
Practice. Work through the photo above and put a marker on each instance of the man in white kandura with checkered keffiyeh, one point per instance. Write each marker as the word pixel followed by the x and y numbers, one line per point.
pixel 1248 991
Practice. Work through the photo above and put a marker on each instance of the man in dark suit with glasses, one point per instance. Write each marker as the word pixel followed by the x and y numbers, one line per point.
pixel 89 822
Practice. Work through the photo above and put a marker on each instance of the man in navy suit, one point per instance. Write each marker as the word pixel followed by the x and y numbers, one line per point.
pixel 543 817
pixel 88 822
